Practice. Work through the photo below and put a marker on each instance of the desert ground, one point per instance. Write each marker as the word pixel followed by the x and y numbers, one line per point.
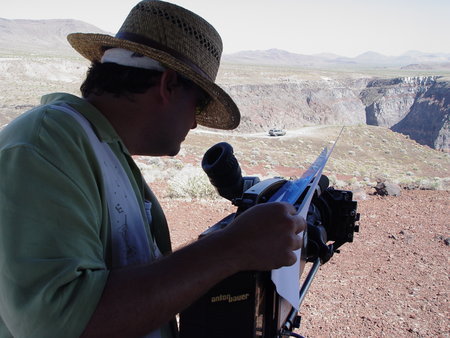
pixel 392 281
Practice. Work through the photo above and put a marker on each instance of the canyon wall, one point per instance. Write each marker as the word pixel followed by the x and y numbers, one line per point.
pixel 415 106
pixel 428 120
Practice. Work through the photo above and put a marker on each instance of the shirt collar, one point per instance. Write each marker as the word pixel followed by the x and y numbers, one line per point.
pixel 103 128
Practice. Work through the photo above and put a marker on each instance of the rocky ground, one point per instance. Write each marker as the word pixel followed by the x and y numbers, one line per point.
pixel 392 281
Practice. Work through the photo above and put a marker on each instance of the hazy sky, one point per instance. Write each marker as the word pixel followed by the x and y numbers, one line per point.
pixel 344 27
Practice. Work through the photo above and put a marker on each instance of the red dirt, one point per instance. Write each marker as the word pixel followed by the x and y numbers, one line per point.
pixel 392 281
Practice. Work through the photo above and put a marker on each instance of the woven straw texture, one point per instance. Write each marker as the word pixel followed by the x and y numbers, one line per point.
pixel 178 39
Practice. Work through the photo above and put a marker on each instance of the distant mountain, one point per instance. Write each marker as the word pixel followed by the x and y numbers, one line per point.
pixel 371 58
pixel 427 66
pixel 281 57
pixel 40 36
pixel 272 56
pixel 48 37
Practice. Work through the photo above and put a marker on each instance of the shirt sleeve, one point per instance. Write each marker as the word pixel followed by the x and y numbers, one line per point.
pixel 52 266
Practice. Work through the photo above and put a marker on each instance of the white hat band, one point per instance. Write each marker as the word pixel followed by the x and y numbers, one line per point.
pixel 128 58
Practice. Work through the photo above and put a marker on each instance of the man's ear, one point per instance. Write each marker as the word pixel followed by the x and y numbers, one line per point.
pixel 169 82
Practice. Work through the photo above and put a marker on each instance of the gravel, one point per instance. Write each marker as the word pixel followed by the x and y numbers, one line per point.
pixel 392 281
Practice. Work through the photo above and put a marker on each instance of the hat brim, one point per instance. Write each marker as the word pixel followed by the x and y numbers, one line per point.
pixel 221 112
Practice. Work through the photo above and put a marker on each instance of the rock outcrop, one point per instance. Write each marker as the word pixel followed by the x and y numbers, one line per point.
pixel 292 105
pixel 415 106
pixel 428 121
pixel 388 101
pixel 388 189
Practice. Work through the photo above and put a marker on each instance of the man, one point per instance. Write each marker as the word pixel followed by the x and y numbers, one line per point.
pixel 84 247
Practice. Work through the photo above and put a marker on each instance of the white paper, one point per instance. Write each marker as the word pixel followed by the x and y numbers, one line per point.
pixel 286 279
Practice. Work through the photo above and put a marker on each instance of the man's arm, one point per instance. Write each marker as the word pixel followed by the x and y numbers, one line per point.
pixel 138 300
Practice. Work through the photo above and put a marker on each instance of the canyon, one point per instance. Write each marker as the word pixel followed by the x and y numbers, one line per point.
pixel 409 94
pixel 417 106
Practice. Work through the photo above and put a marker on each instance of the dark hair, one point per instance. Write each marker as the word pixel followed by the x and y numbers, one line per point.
pixel 118 80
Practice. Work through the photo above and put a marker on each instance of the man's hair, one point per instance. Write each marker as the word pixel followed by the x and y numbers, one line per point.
pixel 117 80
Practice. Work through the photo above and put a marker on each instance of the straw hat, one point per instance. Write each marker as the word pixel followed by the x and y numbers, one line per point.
pixel 179 40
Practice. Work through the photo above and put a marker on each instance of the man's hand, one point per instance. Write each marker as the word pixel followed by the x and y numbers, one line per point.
pixel 265 236
pixel 261 238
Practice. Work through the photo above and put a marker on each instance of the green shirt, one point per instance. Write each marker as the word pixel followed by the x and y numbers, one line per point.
pixel 54 222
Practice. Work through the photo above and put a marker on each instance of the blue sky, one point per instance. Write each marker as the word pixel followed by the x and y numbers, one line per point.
pixel 344 27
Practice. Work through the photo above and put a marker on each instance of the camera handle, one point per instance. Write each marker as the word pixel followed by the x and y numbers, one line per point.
pixel 293 319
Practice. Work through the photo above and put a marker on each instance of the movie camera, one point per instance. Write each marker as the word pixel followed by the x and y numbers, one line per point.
pixel 246 304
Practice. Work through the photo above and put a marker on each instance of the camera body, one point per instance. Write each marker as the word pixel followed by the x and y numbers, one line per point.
pixel 246 304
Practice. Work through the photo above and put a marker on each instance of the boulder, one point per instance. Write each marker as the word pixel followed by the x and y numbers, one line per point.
pixel 387 189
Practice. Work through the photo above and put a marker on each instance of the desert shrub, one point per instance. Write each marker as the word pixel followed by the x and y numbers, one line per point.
pixel 339 184
pixel 406 181
pixel 271 174
pixel 271 161
pixel 425 183
pixel 175 163
pixel 154 161
pixel 191 183
pixel 354 183
pixel 255 152
pixel 239 154
pixel 335 182
pixel 381 177
pixel 332 179
pixel 182 153
pixel 445 183
pixel 430 183
pixel 153 174
pixel 152 170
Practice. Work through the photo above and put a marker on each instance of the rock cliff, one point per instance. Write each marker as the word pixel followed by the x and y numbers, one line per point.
pixel 427 121
pixel 388 101
pixel 415 106
pixel 295 104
